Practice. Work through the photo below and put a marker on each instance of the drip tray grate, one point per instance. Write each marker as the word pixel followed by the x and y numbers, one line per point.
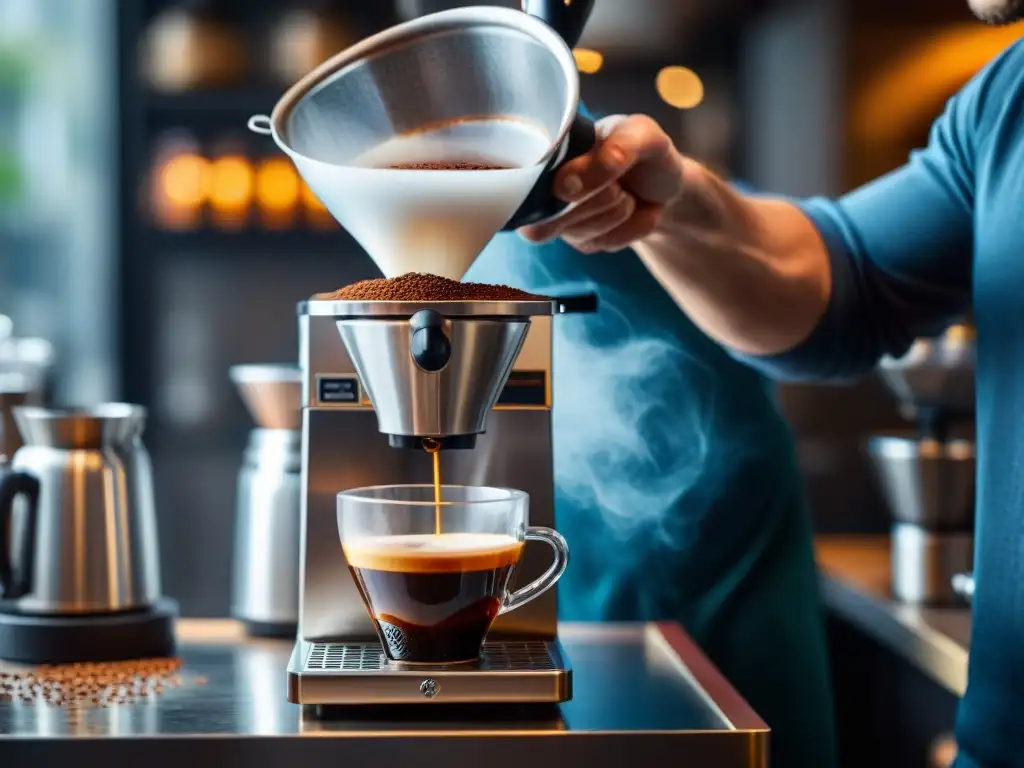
pixel 533 655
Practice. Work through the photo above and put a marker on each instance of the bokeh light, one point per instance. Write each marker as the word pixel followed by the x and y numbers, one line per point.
pixel 680 87
pixel 185 180
pixel 587 61
pixel 232 183
pixel 277 185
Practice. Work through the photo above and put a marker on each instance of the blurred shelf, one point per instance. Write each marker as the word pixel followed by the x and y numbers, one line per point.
pixel 242 101
pixel 249 239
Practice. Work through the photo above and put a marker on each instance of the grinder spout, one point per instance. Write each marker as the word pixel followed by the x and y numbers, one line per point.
pixel 435 369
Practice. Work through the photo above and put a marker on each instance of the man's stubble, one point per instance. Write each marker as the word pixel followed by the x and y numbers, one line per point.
pixel 998 12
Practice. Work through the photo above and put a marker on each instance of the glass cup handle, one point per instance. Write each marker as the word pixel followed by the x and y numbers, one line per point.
pixel 523 595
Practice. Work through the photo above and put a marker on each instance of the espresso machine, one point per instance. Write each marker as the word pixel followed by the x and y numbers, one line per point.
pixel 378 377
pixel 367 405
pixel 929 480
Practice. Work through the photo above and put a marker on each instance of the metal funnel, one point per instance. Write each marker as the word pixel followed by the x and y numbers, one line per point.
pixel 926 482
pixel 934 375
pixel 478 84
pixel 434 369
pixel 272 393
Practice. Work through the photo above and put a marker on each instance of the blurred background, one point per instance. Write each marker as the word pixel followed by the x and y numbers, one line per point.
pixel 148 241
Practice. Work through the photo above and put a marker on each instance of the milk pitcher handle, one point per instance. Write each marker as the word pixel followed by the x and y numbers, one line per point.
pixel 542 204
pixel 13 583
pixel 537 588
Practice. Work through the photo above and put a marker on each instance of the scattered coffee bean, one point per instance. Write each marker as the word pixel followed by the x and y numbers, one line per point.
pixel 97 685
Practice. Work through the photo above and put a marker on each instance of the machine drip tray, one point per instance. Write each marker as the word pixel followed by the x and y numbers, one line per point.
pixel 358 674
pixel 367 657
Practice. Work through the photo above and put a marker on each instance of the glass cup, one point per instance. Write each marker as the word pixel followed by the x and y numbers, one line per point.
pixel 435 576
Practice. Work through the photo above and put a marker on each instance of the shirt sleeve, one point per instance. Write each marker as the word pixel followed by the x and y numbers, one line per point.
pixel 901 250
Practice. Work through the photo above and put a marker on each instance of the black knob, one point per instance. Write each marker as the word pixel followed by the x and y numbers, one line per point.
pixel 430 346
pixel 541 203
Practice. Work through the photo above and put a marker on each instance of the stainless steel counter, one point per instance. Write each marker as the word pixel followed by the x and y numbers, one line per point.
pixel 641 693
pixel 855 576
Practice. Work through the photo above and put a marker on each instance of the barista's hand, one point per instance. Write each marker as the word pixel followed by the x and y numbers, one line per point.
pixel 619 189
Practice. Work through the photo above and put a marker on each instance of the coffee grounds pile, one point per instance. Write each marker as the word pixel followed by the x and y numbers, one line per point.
pixel 417 286
pixel 91 684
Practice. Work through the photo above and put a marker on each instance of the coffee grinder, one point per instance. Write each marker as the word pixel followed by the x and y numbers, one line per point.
pixel 265 562
pixel 378 377
pixel 929 481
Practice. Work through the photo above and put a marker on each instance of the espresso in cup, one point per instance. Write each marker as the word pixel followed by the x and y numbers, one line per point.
pixel 433 597
pixel 434 565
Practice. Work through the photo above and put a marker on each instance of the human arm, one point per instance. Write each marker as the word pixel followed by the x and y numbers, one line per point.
pixel 823 289
pixel 817 289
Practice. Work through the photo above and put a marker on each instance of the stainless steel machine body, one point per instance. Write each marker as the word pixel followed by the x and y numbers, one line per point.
pixel 337 658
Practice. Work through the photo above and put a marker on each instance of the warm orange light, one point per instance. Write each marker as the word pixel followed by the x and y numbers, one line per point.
pixel 185 181
pixel 310 200
pixel 316 213
pixel 587 61
pixel 231 183
pixel 906 92
pixel 680 87
pixel 277 185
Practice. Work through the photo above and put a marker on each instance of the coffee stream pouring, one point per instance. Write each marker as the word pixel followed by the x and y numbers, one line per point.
pixel 486 85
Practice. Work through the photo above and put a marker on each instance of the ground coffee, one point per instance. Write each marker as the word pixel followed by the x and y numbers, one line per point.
pixel 465 165
pixel 417 286
pixel 91 684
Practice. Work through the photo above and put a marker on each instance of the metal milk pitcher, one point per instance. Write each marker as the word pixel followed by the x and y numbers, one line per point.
pixel 86 542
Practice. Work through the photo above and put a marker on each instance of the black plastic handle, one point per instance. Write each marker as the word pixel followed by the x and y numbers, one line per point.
pixel 430 346
pixel 567 18
pixel 13 484
pixel 583 302
pixel 541 203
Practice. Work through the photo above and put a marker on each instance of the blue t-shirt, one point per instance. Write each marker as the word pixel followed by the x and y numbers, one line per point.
pixel 677 488
pixel 911 253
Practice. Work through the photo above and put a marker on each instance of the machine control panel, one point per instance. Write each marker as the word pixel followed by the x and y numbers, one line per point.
pixel 339 390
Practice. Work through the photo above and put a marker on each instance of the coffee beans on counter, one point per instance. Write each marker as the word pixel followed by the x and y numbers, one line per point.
pixel 90 684
pixel 418 286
